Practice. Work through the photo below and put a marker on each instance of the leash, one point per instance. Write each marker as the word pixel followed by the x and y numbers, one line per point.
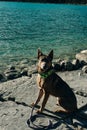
pixel 32 118
pixel 51 125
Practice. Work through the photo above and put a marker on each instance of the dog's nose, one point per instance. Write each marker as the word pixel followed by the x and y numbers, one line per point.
pixel 43 65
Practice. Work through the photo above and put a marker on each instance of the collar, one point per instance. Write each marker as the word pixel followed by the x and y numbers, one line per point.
pixel 46 74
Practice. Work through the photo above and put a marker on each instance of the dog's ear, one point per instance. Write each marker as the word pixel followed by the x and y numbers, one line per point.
pixel 39 53
pixel 50 55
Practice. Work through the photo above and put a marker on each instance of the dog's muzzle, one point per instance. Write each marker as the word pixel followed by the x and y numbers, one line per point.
pixel 43 66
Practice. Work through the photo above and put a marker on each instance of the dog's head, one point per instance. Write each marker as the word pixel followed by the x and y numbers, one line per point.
pixel 44 61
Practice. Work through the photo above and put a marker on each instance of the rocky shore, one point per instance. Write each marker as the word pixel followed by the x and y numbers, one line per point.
pixel 18 90
pixel 23 68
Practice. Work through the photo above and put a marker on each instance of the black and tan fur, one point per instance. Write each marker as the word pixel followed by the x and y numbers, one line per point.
pixel 52 84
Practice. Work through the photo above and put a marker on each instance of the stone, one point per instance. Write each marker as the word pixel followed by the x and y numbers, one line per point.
pixel 82 56
pixel 23 66
pixel 24 72
pixel 56 67
pixel 84 51
pixel 76 64
pixel 12 68
pixel 12 73
pixel 84 69
pixel 66 65
pixel 2 78
pixel 25 61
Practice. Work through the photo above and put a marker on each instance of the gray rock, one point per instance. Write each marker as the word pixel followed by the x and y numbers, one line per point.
pixel 76 64
pixel 66 65
pixel 84 69
pixel 12 73
pixel 2 78
pixel 22 66
pixel 82 56
pixel 56 67
pixel 25 61
pixel 11 67
pixel 24 72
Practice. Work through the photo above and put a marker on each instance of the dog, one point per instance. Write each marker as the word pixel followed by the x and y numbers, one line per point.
pixel 50 83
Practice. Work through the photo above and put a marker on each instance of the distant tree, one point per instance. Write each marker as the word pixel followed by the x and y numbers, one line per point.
pixel 53 1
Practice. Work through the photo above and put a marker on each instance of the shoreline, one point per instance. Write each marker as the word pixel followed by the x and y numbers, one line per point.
pixel 23 68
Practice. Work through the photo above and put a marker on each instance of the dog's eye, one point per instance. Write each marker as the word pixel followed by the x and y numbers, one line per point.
pixel 44 60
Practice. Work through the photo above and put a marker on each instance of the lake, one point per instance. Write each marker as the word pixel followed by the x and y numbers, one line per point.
pixel 25 27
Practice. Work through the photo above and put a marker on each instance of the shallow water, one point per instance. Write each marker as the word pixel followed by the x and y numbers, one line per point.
pixel 25 27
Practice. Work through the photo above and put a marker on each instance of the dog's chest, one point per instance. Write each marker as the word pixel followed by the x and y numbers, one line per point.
pixel 42 83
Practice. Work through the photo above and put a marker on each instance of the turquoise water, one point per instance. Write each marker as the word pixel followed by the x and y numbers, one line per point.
pixel 25 27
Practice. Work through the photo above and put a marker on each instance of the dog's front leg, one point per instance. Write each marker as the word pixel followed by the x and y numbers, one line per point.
pixel 46 96
pixel 39 97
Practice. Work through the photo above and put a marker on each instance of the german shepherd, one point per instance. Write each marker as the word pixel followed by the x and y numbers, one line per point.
pixel 51 84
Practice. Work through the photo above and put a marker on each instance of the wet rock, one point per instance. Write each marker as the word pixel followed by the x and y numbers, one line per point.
pixel 84 69
pixel 82 56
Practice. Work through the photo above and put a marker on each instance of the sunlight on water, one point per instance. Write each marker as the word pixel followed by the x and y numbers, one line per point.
pixel 25 27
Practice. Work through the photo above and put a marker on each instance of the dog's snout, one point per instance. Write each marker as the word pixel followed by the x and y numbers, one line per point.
pixel 43 65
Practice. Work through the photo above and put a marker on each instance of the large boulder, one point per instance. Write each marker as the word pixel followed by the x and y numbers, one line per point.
pixel 82 56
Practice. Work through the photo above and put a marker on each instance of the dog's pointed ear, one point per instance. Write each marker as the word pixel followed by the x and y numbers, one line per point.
pixel 39 53
pixel 50 55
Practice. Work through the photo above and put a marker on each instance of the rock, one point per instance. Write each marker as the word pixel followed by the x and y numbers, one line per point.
pixel 31 72
pixel 23 66
pixel 84 69
pixel 84 51
pixel 62 65
pixel 66 65
pixel 25 61
pixel 2 78
pixel 82 56
pixel 56 67
pixel 12 73
pixel 24 72
pixel 76 64
pixel 12 68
